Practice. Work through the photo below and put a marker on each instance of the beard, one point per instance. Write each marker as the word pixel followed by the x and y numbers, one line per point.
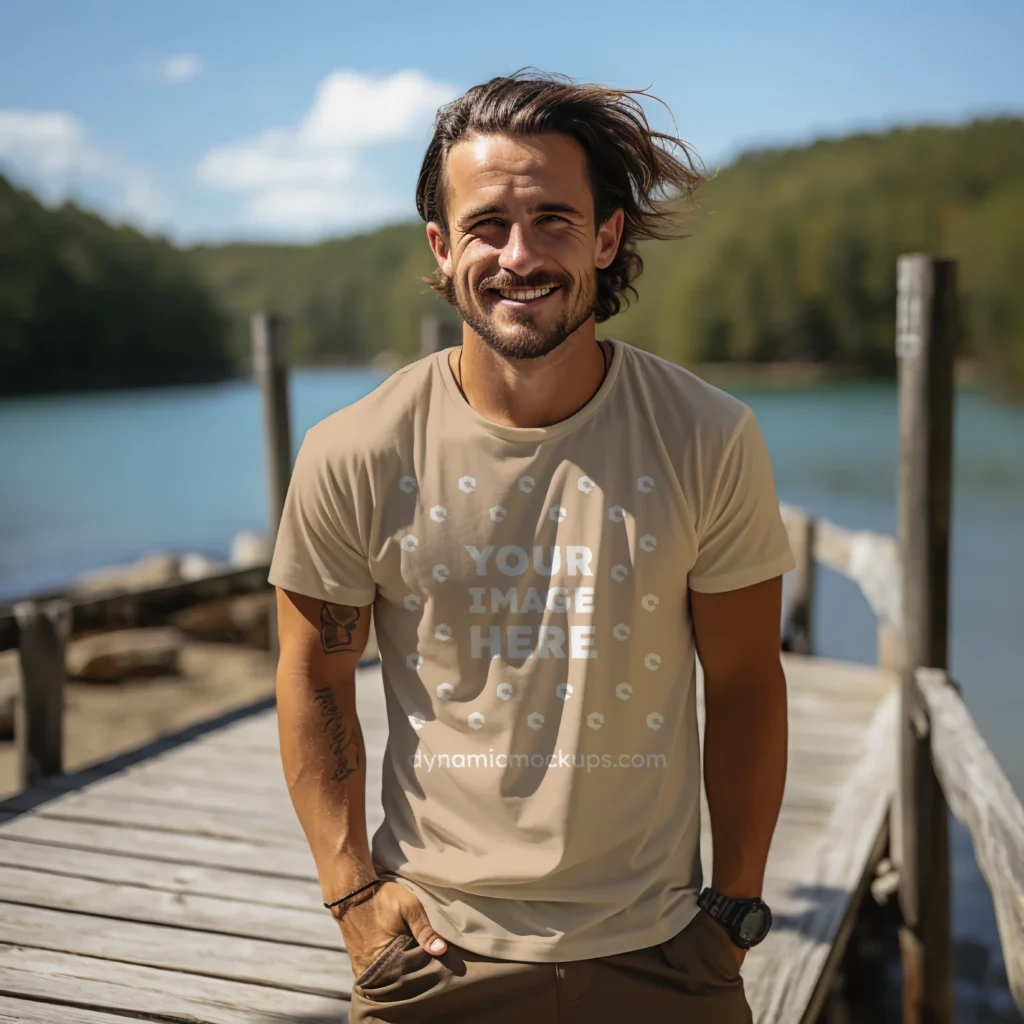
pixel 527 340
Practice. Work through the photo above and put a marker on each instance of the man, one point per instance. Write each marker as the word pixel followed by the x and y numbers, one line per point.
pixel 547 529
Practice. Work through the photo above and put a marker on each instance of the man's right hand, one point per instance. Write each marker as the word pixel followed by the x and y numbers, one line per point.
pixel 370 925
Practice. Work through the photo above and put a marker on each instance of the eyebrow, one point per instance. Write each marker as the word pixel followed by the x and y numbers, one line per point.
pixel 486 209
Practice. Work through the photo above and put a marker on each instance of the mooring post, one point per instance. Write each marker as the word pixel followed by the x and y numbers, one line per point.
pixel 799 632
pixel 43 630
pixel 926 333
pixel 437 334
pixel 430 334
pixel 270 359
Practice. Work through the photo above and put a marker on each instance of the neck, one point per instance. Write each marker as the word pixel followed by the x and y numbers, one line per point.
pixel 530 392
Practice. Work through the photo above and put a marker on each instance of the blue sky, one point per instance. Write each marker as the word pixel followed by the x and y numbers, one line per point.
pixel 220 120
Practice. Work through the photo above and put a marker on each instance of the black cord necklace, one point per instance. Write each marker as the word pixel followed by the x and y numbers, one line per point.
pixel 604 357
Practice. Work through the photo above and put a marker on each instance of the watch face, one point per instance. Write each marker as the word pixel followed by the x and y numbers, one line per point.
pixel 755 924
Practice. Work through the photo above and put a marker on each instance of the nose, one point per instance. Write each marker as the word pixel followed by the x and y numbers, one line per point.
pixel 520 255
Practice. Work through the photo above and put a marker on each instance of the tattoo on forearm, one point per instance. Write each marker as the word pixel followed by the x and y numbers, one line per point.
pixel 337 627
pixel 342 739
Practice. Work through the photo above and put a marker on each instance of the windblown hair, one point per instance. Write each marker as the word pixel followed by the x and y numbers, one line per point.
pixel 631 166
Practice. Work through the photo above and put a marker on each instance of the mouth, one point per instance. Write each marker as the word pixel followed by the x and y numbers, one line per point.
pixel 521 298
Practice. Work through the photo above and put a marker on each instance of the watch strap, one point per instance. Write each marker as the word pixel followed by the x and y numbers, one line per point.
pixel 725 909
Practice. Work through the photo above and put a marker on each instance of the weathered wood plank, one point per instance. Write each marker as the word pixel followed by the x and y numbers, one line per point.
pixel 983 800
pixel 262 830
pixel 831 873
pixel 229 884
pixel 160 847
pixel 18 1011
pixel 134 990
pixel 175 793
pixel 308 924
pixel 257 961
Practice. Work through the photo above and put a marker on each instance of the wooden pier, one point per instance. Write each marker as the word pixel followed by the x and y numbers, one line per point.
pixel 180 887
pixel 174 883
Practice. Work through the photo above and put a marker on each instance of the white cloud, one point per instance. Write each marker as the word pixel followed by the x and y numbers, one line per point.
pixel 271 160
pixel 311 208
pixel 181 67
pixel 308 175
pixel 351 109
pixel 53 148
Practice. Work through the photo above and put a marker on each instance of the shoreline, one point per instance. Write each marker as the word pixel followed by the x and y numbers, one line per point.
pixel 780 374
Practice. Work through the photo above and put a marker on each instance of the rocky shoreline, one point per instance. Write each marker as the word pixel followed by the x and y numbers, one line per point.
pixel 129 686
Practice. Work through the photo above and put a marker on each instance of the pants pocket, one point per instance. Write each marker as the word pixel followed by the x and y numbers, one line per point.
pixel 382 959
pixel 718 944
pixel 702 951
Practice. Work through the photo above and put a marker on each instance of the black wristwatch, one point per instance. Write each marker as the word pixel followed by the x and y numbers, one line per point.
pixel 746 921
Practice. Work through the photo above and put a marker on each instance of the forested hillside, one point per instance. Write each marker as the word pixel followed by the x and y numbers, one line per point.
pixel 86 305
pixel 795 251
pixel 792 258
pixel 347 299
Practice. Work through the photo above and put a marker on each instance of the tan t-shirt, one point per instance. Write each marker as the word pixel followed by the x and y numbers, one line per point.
pixel 529 587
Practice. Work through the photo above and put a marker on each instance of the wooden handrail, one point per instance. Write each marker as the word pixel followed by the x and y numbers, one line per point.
pixel 983 801
pixel 871 560
pixel 975 787
pixel 149 606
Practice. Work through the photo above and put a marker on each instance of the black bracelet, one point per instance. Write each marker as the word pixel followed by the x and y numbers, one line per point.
pixel 355 892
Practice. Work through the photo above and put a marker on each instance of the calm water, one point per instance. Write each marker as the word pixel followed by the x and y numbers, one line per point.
pixel 86 480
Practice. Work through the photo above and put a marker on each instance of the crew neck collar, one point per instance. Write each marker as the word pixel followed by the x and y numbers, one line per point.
pixel 530 434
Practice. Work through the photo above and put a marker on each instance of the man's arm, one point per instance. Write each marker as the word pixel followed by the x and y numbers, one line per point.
pixel 324 759
pixel 745 728
pixel 322 746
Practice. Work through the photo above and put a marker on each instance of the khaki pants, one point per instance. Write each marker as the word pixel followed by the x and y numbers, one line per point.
pixel 690 977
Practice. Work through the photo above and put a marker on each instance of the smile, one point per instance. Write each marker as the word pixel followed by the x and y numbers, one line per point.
pixel 524 295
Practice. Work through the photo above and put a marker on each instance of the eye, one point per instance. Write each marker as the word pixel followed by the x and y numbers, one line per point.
pixel 553 216
pixel 486 221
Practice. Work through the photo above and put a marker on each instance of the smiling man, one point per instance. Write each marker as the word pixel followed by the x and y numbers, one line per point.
pixel 548 531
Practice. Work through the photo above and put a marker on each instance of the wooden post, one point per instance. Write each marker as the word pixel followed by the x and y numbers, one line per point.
pixel 270 359
pixel 430 334
pixel 436 334
pixel 43 631
pixel 799 636
pixel 888 646
pixel 926 332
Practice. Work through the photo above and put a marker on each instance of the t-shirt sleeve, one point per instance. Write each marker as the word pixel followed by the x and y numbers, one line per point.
pixel 317 551
pixel 742 539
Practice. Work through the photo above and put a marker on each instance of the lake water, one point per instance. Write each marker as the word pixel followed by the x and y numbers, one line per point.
pixel 90 479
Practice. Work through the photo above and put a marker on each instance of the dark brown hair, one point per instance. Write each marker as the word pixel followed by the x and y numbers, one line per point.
pixel 631 166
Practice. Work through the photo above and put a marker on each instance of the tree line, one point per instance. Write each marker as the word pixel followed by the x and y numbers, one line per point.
pixel 84 304
pixel 791 256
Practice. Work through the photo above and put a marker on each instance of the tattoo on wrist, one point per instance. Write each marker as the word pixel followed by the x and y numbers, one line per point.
pixel 342 739
pixel 337 627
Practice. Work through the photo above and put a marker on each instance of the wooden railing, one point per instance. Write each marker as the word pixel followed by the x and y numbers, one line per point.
pixel 976 789
pixel 40 630
pixel 943 763
pixel 982 799
pixel 871 560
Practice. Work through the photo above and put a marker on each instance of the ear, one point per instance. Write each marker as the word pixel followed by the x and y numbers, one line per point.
pixel 439 246
pixel 609 234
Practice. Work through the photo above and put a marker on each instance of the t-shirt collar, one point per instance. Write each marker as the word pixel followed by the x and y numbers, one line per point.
pixel 529 434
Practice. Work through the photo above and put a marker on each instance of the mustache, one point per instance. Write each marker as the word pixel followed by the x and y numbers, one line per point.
pixel 542 279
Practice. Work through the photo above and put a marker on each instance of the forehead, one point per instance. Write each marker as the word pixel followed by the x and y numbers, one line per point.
pixel 486 168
